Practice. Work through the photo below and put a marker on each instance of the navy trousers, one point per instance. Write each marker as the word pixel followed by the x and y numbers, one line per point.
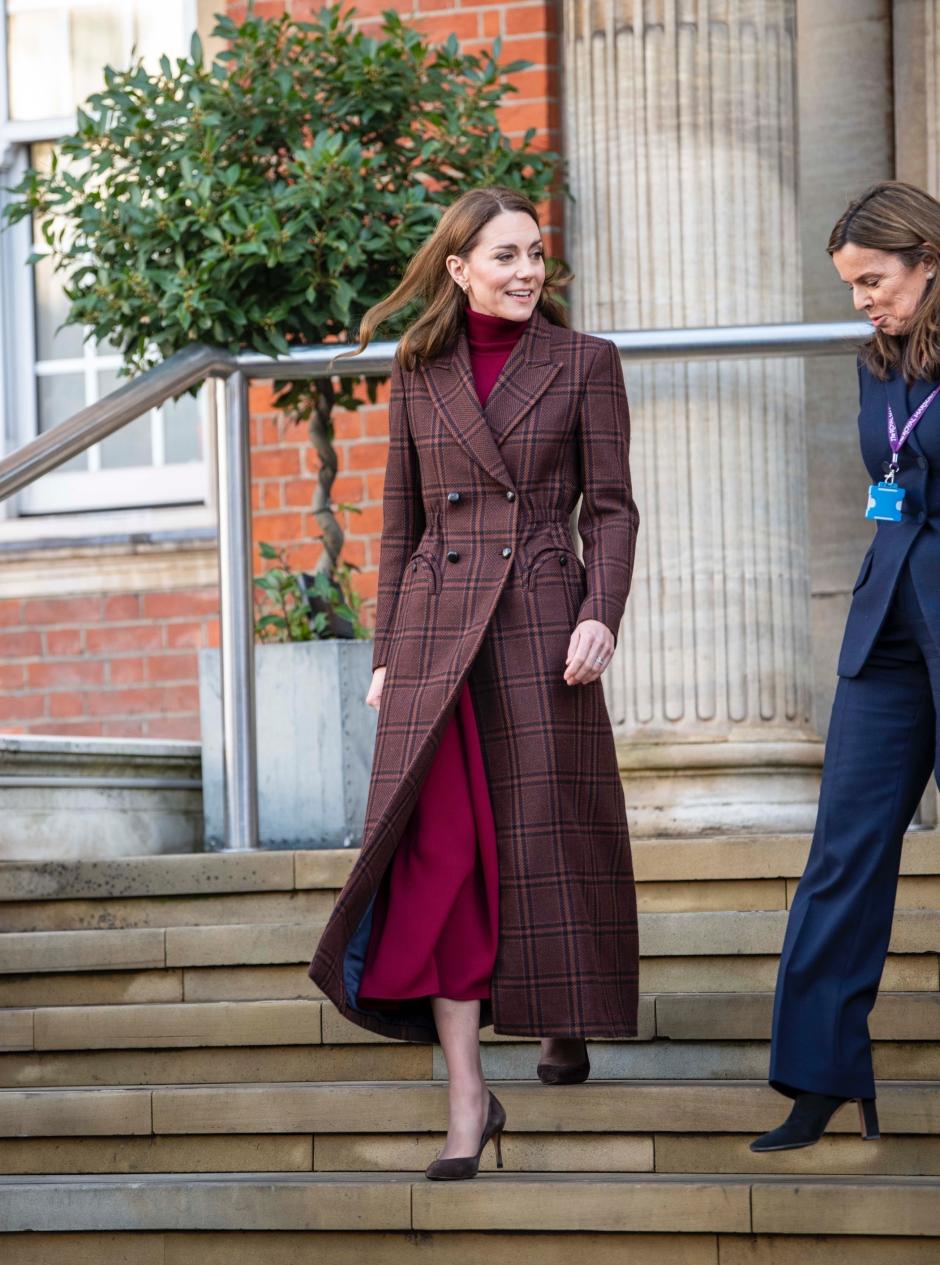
pixel 880 751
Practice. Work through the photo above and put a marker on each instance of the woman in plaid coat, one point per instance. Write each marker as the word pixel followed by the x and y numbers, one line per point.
pixel 483 600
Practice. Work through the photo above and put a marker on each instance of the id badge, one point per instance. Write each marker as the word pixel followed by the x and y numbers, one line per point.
pixel 884 502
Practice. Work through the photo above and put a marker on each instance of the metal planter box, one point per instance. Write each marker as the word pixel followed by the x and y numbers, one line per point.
pixel 315 740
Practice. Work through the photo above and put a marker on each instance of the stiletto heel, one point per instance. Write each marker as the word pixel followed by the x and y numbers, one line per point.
pixel 463 1166
pixel 868 1119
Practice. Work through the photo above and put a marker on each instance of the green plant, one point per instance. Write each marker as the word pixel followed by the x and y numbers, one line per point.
pixel 268 199
pixel 283 609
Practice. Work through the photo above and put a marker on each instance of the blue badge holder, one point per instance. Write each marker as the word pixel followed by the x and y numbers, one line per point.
pixel 884 502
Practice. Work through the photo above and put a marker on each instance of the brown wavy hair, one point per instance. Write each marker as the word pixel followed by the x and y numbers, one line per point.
pixel 903 220
pixel 427 280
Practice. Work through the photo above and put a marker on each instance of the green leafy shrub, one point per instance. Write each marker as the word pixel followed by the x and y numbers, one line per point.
pixel 266 200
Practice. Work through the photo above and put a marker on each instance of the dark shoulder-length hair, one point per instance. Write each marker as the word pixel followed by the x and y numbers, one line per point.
pixel 905 221
pixel 443 302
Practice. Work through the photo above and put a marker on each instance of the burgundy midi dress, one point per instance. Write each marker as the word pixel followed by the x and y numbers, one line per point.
pixel 435 924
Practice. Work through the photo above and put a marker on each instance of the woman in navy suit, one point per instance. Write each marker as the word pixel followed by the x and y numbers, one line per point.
pixel 882 743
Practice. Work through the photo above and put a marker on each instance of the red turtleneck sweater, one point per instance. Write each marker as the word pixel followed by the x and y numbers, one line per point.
pixel 491 339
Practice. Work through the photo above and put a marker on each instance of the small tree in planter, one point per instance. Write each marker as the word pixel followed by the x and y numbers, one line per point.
pixel 302 607
pixel 267 200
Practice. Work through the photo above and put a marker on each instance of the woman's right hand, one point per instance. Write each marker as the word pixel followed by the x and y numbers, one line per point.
pixel 373 698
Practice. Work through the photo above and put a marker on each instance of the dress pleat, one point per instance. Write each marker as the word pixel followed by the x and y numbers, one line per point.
pixel 435 919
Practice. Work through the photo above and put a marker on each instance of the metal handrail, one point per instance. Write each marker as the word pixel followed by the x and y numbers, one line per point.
pixel 230 410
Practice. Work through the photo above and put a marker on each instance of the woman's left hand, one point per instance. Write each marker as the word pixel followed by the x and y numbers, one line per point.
pixel 589 652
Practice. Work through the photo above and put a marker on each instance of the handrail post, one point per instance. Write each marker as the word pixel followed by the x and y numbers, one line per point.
pixel 236 616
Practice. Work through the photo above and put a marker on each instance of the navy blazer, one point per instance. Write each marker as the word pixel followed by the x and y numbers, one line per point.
pixel 917 536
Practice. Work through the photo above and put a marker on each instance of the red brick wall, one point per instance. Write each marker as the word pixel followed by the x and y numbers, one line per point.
pixel 121 664
pixel 125 664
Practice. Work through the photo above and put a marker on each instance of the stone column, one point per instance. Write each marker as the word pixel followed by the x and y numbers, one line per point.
pixel 681 133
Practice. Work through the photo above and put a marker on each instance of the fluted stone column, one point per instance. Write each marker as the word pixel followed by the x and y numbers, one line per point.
pixel 681 132
pixel 932 95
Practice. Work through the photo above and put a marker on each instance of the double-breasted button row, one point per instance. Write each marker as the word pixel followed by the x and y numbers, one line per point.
pixel 454 556
pixel 454 497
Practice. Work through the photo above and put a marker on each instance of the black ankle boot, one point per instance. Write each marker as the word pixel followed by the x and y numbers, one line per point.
pixel 807 1122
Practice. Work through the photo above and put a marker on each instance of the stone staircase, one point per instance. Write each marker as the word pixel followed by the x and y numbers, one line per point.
pixel 173 1089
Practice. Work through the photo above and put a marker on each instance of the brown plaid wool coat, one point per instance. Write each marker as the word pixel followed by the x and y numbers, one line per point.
pixel 478 578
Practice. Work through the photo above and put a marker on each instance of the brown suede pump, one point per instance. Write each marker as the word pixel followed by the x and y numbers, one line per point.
pixel 565 1073
pixel 463 1166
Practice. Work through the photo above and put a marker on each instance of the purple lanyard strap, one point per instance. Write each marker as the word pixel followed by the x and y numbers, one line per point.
pixel 897 441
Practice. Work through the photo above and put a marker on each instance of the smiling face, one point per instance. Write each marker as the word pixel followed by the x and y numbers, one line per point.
pixel 504 273
pixel 884 287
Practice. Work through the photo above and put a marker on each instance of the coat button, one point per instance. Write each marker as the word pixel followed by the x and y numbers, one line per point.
pixel 452 555
pixel 922 462
pixel 510 496
pixel 922 517
pixel 414 566
pixel 506 551
pixel 563 560
pixel 453 497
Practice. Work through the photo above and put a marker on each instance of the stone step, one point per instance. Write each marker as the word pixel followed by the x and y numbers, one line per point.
pixel 108 913
pixel 719 857
pixel 662 935
pixel 199 874
pixel 903 1017
pixel 623 1060
pixel 649 1203
pixel 915 973
pixel 408 1107
pixel 210 1064
pixel 695 1060
pixel 568 1151
pixel 456 1247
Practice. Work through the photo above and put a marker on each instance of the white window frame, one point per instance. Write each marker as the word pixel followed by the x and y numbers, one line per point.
pixel 75 504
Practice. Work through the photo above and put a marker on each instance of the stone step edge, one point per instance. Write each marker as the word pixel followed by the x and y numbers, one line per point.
pixel 715 933
pixel 317 1022
pixel 708 858
pixel 133 1110
pixel 686 1202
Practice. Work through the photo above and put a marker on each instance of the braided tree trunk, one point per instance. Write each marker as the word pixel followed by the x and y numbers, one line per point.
pixel 320 430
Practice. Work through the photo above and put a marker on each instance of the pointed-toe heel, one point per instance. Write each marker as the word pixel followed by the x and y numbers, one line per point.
pixel 808 1119
pixel 462 1167
pixel 565 1073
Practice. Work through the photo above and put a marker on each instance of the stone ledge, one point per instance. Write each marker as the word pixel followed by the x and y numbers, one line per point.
pixel 688 1108
pixel 670 1203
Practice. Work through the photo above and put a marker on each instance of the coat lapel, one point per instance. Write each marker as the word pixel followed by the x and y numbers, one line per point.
pixel 450 381
pixel 918 393
pixel 522 380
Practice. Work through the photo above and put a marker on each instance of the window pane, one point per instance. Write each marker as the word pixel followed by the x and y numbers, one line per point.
pixel 59 396
pixel 96 40
pixel 52 307
pixel 38 64
pixel 182 440
pixel 132 445
pixel 58 51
